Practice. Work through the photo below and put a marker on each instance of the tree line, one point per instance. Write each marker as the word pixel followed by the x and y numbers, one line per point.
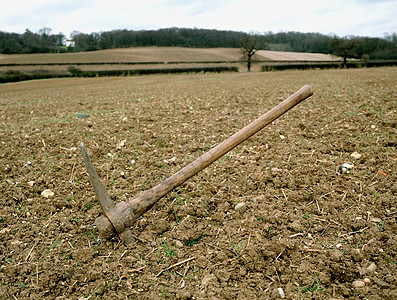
pixel 350 46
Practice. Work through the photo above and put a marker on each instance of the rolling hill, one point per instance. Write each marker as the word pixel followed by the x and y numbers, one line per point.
pixel 157 54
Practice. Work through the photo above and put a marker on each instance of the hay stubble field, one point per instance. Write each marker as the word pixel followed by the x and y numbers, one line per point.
pixel 301 225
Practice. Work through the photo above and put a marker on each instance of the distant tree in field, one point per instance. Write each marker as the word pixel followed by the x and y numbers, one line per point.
pixel 249 46
pixel 344 47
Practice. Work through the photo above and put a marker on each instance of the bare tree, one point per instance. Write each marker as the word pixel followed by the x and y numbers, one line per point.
pixel 391 37
pixel 249 46
pixel 344 47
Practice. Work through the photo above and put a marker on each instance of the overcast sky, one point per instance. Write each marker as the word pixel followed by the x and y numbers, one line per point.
pixel 371 18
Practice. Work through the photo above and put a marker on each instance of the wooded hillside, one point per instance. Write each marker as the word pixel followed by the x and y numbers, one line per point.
pixel 46 42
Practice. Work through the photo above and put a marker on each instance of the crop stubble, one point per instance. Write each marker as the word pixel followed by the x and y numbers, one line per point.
pixel 301 221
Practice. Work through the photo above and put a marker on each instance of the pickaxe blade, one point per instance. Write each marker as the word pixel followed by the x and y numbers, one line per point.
pixel 107 205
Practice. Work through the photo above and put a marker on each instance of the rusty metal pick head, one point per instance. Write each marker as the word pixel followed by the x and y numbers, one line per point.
pixel 107 205
pixel 105 202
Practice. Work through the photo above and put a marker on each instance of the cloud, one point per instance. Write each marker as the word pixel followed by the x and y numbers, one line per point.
pixel 341 17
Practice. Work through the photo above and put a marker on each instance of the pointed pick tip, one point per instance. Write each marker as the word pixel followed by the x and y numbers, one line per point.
pixel 105 202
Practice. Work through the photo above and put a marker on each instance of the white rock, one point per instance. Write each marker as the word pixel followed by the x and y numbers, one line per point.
pixel 31 183
pixel 169 161
pixel 121 144
pixel 367 280
pixel 346 167
pixel 281 292
pixel 375 219
pixel 356 155
pixel 371 268
pixel 282 137
pixel 47 193
pixel 133 161
pixel 239 206
pixel 358 283
pixel 373 126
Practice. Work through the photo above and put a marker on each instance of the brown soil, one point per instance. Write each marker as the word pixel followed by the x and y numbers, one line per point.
pixel 294 56
pixel 305 227
pixel 135 54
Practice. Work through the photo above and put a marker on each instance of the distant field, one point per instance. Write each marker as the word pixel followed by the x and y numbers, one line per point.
pixel 19 67
pixel 155 54
pixel 146 54
pixel 294 56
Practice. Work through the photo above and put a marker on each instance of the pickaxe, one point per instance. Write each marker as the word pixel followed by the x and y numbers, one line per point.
pixel 118 218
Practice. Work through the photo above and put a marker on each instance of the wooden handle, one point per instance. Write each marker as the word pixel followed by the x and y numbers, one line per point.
pixel 208 158
pixel 125 214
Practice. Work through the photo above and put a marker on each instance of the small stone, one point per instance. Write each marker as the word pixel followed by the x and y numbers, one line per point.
pixel 371 268
pixel 153 243
pixel 356 155
pixel 365 247
pixel 358 283
pixel 282 137
pixel 239 206
pixel 170 161
pixel 281 292
pixel 133 161
pixel 346 167
pixel 82 116
pixel 357 255
pixel 31 183
pixel 276 170
pixel 367 281
pixel 375 219
pixel 373 126
pixel 179 244
pixel 121 144
pixel 296 225
pixel 338 246
pixel 47 193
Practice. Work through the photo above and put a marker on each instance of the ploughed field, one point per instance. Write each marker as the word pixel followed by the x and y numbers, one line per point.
pixel 146 58
pixel 275 216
